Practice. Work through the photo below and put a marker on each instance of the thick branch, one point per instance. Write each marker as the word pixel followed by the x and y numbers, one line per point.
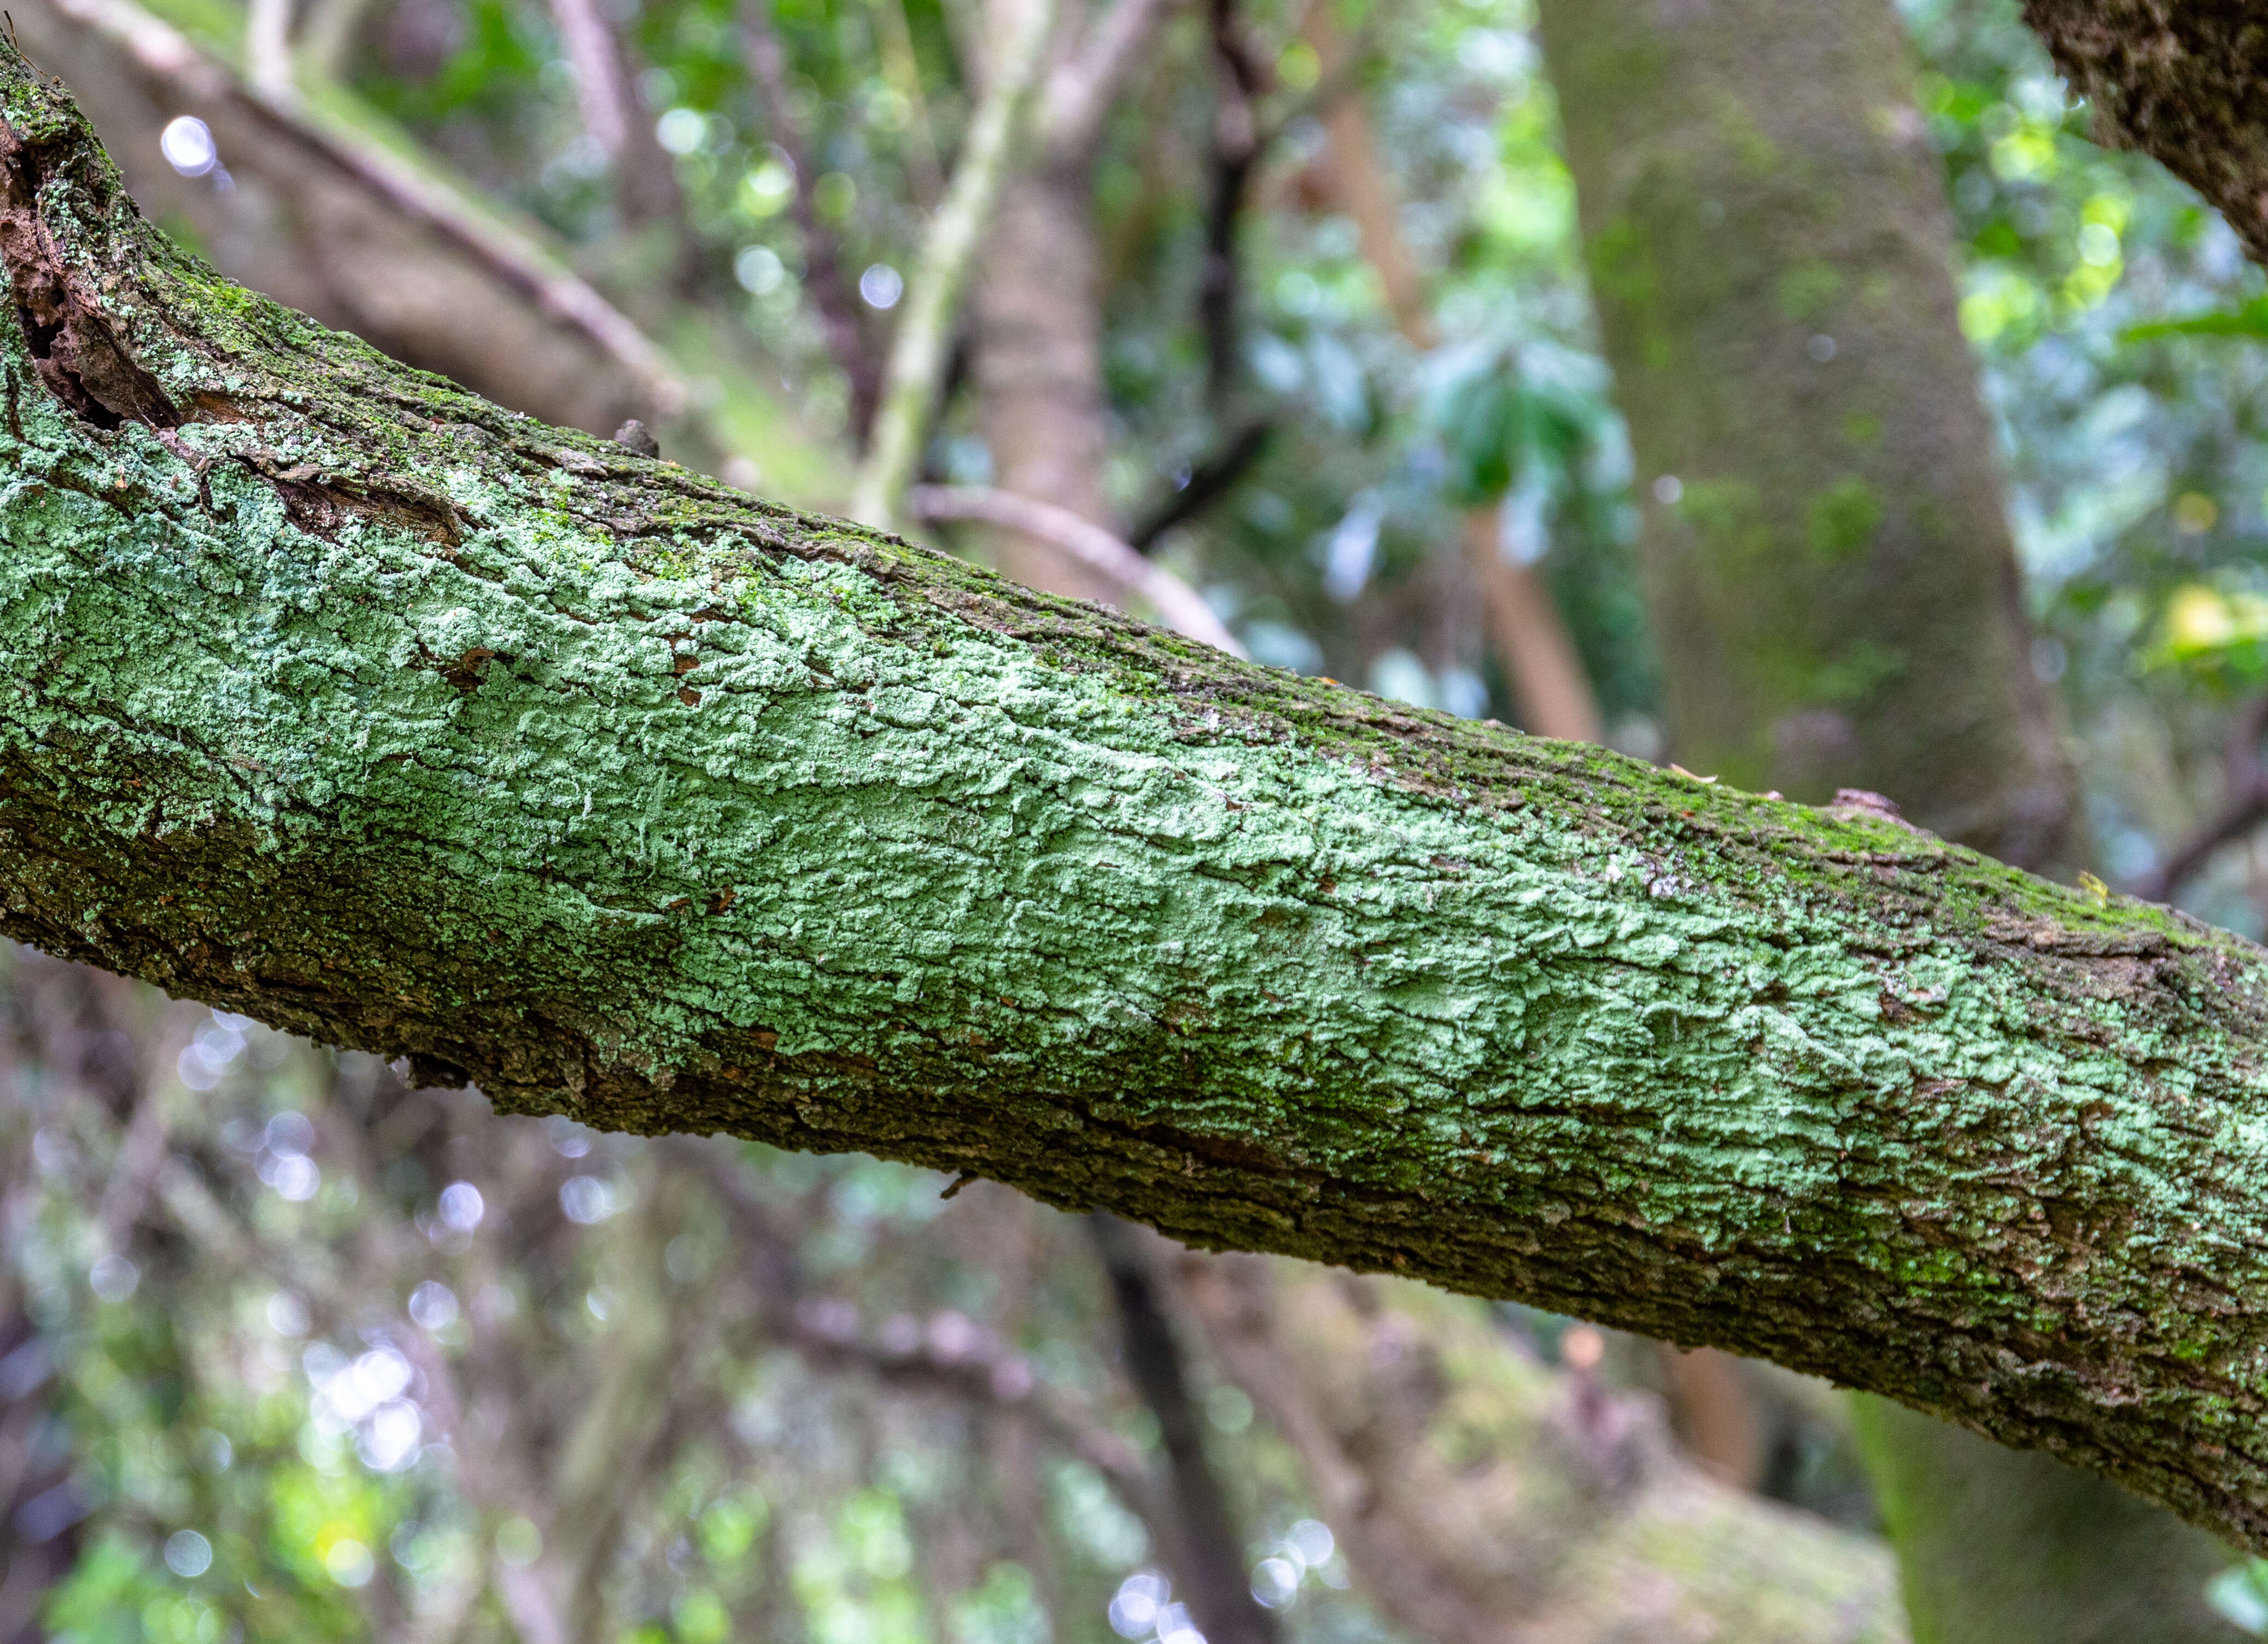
pixel 341 698
pixel 2184 83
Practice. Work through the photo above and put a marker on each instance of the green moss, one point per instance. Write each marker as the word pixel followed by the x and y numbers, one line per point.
pixel 1840 523
pixel 1807 289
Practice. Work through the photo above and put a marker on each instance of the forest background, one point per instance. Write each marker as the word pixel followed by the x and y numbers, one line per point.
pixel 1287 305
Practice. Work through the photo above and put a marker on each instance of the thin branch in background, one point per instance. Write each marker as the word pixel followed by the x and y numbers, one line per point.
pixel 1237 147
pixel 1080 88
pixel 1549 689
pixel 166 55
pixel 902 66
pixel 326 34
pixel 1184 608
pixel 1552 693
pixel 933 299
pixel 645 189
pixel 268 51
pixel 2243 806
pixel 827 279
pixel 1211 1572
pixel 1209 481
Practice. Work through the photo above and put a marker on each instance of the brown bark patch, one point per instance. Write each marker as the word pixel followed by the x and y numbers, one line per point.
pixel 74 346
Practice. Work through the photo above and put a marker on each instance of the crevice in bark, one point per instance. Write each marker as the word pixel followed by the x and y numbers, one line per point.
pixel 74 346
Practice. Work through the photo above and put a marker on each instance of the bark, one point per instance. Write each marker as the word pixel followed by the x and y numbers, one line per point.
pixel 311 220
pixel 1827 557
pixel 2184 82
pixel 342 699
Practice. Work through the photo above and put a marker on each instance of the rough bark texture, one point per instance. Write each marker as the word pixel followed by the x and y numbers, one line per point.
pixel 341 698
pixel 2185 81
pixel 1767 235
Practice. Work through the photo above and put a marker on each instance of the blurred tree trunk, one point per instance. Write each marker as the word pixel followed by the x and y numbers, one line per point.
pixel 1037 310
pixel 1038 365
pixel 1825 549
pixel 1830 568
pixel 303 222
pixel 1480 1498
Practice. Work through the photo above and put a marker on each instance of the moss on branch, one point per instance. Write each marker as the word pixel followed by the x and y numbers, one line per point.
pixel 338 697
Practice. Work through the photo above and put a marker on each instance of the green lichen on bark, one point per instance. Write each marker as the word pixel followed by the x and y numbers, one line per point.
pixel 340 698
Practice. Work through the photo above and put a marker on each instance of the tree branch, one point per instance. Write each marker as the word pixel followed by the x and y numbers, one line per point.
pixel 1181 605
pixel 2185 83
pixel 1209 481
pixel 1211 1551
pixel 922 342
pixel 257 131
pixel 340 698
pixel 1079 90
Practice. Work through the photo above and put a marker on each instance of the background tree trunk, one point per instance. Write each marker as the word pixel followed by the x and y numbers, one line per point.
pixel 302 222
pixel 1039 365
pixel 1824 548
pixel 1832 574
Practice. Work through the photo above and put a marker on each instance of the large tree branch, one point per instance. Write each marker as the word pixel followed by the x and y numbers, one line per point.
pixel 343 699
pixel 2185 81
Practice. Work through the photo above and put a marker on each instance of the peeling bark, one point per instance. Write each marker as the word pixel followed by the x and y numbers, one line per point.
pixel 557 768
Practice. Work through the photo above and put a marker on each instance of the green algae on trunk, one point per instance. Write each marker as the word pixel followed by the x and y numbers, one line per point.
pixel 367 709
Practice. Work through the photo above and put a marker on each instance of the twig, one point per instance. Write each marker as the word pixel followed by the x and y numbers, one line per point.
pixel 268 51
pixel 1236 151
pixel 598 90
pixel 1211 1548
pixel 917 352
pixel 1080 88
pixel 1208 481
pixel 1181 605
